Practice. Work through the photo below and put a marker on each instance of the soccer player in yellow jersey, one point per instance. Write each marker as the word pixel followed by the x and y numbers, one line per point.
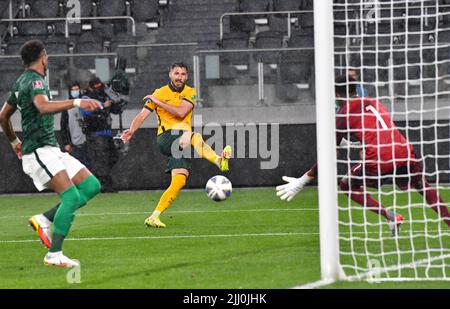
pixel 173 105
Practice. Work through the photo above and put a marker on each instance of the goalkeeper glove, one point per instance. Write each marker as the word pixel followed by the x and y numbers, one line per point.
pixel 293 186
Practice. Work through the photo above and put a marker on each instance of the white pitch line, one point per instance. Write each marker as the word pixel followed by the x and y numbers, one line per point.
pixel 167 237
pixel 178 212
pixel 314 284
pixel 184 236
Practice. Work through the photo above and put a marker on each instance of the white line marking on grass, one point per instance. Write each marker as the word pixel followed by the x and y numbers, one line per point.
pixel 178 212
pixel 314 285
pixel 167 237
pixel 185 236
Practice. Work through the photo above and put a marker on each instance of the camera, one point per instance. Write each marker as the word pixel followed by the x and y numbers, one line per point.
pixel 113 94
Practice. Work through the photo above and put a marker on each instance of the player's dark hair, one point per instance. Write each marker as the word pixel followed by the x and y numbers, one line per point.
pixel 345 86
pixel 31 51
pixel 179 65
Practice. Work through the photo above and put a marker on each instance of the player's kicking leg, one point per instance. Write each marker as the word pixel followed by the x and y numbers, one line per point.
pixel 206 152
pixel 352 186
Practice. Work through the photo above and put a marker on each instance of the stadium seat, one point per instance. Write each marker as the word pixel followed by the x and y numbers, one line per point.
pixel 144 10
pixel 279 22
pixel 242 23
pixel 340 35
pixel 307 4
pixel 246 23
pixel 32 28
pixel 86 7
pixel 379 33
pixel 294 70
pixel 88 42
pixel 306 20
pixel 268 39
pixel 128 53
pixel 14 44
pixel 4 9
pixel 254 6
pixel 8 78
pixel 407 70
pixel 43 8
pixel 234 40
pixel 287 5
pixel 300 39
pixel 112 8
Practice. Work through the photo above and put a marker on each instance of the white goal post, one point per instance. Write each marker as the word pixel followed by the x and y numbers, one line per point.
pixel 401 50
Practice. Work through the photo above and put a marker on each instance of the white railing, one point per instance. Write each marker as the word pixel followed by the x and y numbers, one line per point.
pixel 288 18
pixel 69 20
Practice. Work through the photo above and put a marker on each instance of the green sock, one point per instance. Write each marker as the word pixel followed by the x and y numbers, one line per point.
pixel 88 188
pixel 70 200
pixel 50 214
pixel 57 242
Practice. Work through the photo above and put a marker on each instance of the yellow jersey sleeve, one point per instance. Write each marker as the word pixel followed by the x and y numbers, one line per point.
pixel 149 104
pixel 191 96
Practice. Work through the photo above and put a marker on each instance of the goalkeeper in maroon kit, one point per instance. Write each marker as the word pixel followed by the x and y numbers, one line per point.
pixel 385 152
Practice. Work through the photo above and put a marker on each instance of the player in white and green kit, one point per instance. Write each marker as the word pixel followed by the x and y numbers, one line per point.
pixel 39 151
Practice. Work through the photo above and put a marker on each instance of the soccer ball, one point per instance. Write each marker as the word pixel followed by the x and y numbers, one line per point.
pixel 218 188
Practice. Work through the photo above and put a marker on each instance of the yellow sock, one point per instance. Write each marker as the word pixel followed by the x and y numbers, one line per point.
pixel 177 183
pixel 203 149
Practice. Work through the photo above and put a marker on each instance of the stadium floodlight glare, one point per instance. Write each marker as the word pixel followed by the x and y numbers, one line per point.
pixel 398 68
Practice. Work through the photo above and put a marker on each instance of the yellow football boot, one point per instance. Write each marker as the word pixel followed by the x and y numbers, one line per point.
pixel 153 221
pixel 224 157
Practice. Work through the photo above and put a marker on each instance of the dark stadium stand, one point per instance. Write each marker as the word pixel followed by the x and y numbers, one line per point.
pixel 187 21
pixel 287 5
pixel 254 6
pixel 144 10
pixel 268 39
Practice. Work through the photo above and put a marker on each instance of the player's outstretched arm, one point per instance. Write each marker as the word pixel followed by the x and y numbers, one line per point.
pixel 45 106
pixel 294 185
pixel 5 122
pixel 180 111
pixel 135 125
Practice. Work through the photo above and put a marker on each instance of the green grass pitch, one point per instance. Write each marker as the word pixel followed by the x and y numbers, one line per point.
pixel 252 240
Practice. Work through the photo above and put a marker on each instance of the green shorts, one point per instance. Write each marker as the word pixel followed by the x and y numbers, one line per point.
pixel 165 141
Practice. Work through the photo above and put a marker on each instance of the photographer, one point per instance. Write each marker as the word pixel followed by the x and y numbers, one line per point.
pixel 97 127
pixel 73 138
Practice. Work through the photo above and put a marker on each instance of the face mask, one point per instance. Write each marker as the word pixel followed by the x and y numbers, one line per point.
pixel 75 93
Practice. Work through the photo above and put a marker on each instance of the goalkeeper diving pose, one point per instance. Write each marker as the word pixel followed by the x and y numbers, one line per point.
pixel 385 152
pixel 173 105
pixel 39 151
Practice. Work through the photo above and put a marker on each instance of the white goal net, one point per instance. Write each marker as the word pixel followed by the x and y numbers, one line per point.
pixel 401 51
